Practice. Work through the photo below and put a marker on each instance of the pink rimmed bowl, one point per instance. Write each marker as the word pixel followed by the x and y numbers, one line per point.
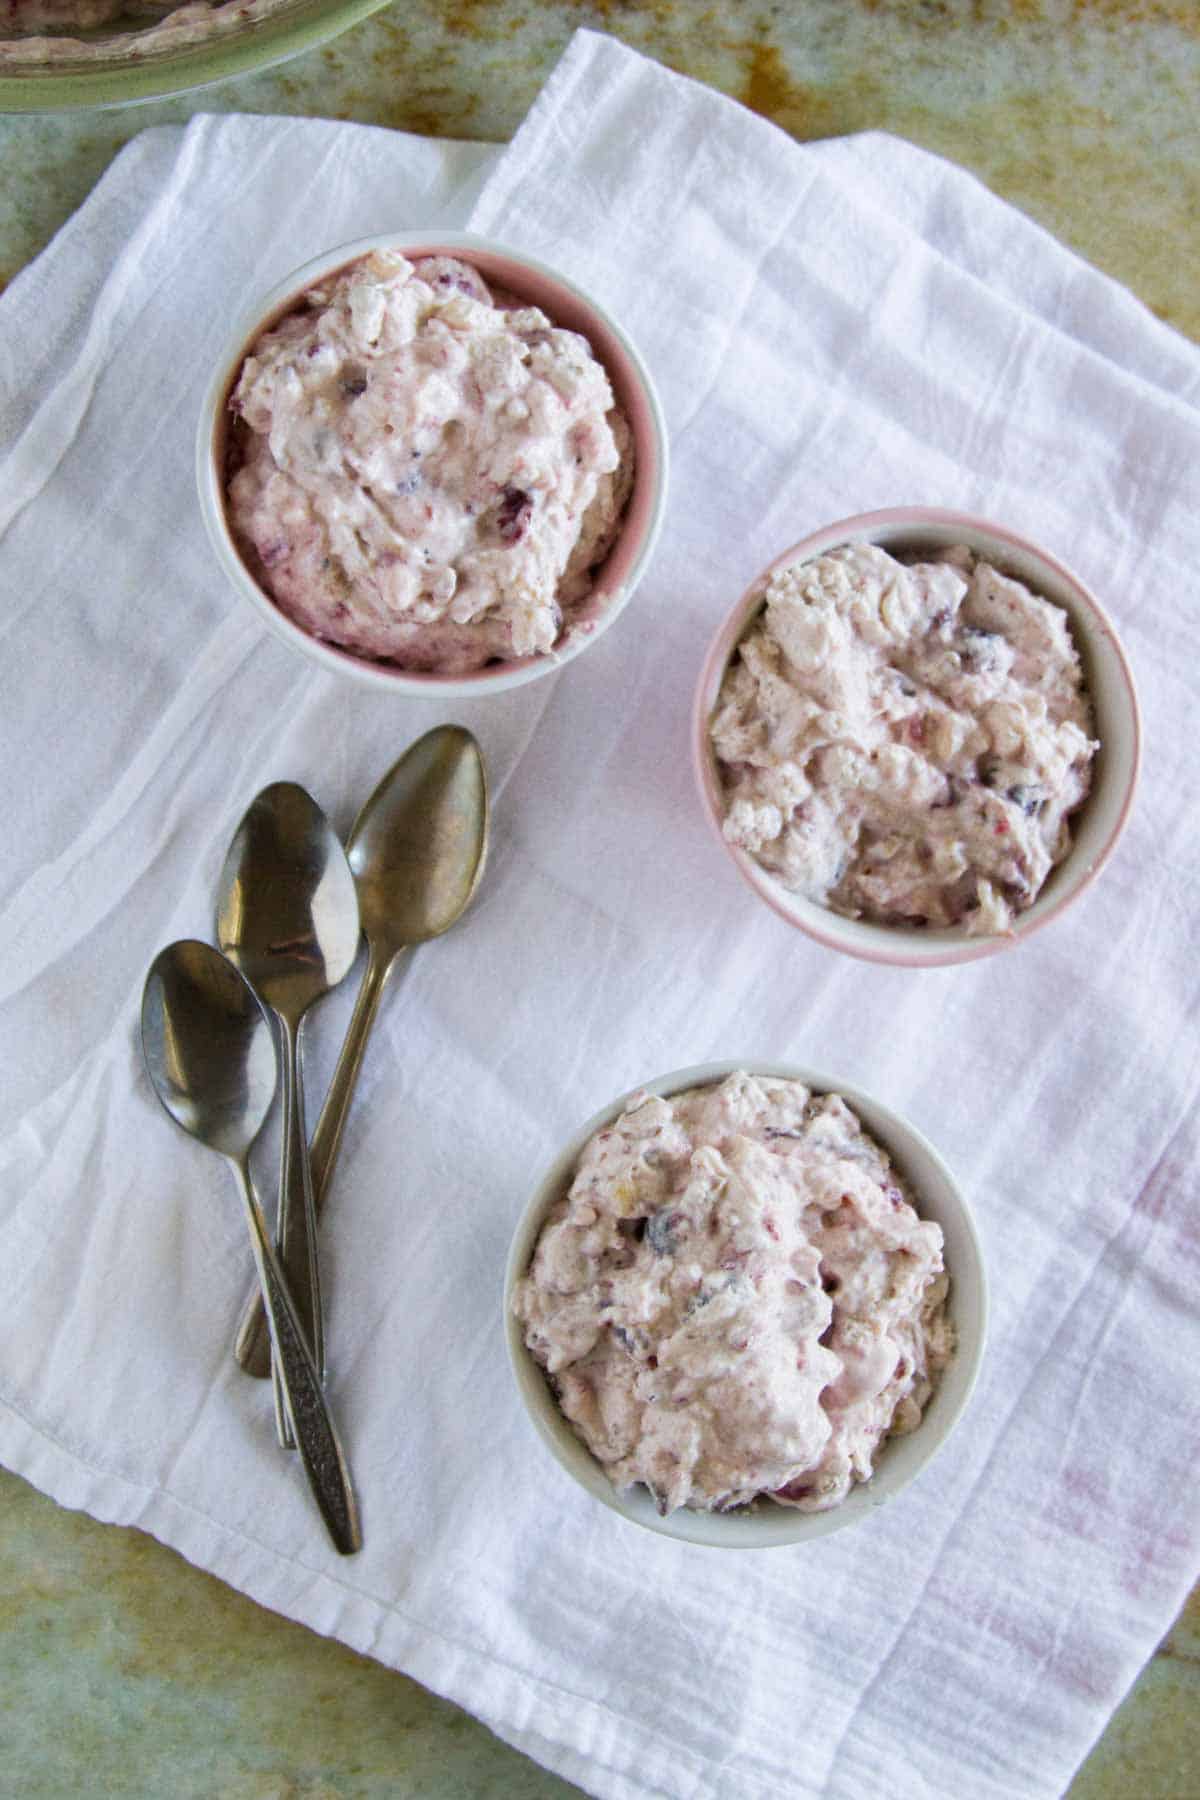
pixel 901 1459
pixel 565 305
pixel 1096 827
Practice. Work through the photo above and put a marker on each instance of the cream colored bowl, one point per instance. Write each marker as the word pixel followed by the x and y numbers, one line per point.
pixel 565 305
pixel 1096 827
pixel 899 1461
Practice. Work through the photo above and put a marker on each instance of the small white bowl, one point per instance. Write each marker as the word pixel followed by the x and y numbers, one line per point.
pixel 565 305
pixel 1095 828
pixel 902 1458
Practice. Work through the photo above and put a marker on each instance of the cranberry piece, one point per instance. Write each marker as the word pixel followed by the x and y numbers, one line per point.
pixel 512 520
pixel 795 1490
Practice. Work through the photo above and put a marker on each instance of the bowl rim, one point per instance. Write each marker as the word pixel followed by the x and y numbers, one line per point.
pixel 770 1525
pixel 870 941
pixel 384 677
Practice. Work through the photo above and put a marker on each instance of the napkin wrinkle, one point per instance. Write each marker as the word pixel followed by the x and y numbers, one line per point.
pixel 1026 317
pixel 958 216
pixel 26 922
pixel 680 1758
pixel 569 886
pixel 536 713
pixel 716 369
pixel 861 1700
pixel 218 1377
pixel 38 452
pixel 85 1250
pixel 1006 1411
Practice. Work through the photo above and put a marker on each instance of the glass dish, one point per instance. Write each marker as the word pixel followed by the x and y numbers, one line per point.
pixel 138 68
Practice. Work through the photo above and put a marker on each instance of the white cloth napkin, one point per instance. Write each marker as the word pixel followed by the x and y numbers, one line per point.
pixel 833 327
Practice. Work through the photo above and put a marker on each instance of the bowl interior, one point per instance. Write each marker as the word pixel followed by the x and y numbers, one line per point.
pixel 908 535
pixel 900 1459
pixel 566 306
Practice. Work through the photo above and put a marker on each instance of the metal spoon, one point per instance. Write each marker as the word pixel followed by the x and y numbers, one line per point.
pixel 210 1054
pixel 288 917
pixel 417 850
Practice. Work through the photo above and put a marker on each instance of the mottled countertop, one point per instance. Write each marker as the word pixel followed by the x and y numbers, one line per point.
pixel 123 1670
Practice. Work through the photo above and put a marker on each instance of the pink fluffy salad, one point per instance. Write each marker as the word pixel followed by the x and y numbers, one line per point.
pixel 737 1299
pixel 905 741
pixel 426 472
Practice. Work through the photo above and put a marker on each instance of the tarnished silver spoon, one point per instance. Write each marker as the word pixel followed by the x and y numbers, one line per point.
pixel 287 915
pixel 417 849
pixel 210 1054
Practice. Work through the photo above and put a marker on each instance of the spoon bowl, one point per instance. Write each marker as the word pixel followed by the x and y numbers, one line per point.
pixel 208 1047
pixel 418 845
pixel 288 911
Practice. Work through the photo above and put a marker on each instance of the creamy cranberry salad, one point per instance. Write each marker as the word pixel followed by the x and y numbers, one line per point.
pixel 905 742
pixel 427 473
pixel 737 1299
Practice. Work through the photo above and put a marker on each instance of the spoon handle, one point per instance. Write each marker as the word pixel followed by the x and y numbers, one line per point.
pixel 296 1225
pixel 327 1138
pixel 252 1346
pixel 320 1451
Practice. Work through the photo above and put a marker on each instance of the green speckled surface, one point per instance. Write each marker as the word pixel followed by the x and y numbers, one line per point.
pixel 123 1670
